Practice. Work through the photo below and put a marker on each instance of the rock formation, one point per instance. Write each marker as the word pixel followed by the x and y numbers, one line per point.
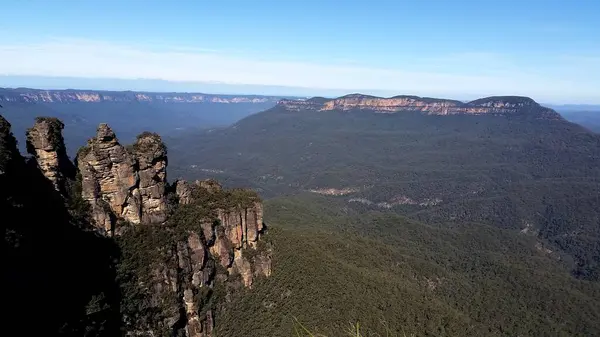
pixel 124 184
pixel 109 180
pixel 234 227
pixel 227 236
pixel 183 190
pixel 500 105
pixel 216 235
pixel 210 185
pixel 177 242
pixel 46 144
pixel 151 155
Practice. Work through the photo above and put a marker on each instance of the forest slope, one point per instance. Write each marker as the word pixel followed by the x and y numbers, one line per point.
pixel 397 276
pixel 522 168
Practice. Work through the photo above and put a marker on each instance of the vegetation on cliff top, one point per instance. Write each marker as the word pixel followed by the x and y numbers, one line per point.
pixel 149 251
pixel 55 127
pixel 149 143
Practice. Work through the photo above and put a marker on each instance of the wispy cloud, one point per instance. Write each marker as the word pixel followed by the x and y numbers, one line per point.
pixel 472 74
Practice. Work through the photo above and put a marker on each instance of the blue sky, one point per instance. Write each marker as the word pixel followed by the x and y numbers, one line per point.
pixel 546 49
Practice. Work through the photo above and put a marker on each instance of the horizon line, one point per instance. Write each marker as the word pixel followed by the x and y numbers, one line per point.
pixel 363 92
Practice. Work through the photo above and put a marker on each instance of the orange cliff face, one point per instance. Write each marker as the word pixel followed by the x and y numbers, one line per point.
pixel 392 104
pixel 500 105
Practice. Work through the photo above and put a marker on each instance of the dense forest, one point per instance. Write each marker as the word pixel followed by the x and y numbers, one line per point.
pixel 398 277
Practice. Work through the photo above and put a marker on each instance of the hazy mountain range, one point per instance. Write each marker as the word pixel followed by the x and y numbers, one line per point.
pixel 157 85
pixel 130 112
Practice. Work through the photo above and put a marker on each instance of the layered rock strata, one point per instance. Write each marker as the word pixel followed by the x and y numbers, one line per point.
pixel 218 243
pixel 497 105
pixel 26 95
pixel 121 183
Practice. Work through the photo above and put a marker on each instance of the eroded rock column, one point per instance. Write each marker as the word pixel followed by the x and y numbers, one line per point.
pixel 45 142
pixel 151 155
pixel 110 178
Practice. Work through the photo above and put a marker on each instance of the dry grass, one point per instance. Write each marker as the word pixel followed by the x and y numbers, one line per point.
pixel 353 330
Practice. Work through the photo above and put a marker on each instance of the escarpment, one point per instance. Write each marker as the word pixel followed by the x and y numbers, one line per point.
pixel 28 95
pixel 233 223
pixel 497 105
pixel 210 244
pixel 182 247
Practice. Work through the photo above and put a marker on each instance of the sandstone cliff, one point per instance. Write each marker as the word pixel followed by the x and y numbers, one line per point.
pixel 151 156
pixel 46 144
pixel 209 244
pixel 497 105
pixel 109 180
pixel 235 223
pixel 26 95
pixel 124 184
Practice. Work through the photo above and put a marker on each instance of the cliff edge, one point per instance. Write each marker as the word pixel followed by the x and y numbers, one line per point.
pixel 495 105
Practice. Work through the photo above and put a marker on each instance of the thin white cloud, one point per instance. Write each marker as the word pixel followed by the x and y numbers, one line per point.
pixel 472 74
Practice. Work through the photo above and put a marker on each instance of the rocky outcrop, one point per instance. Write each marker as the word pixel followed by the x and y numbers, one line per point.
pixel 26 95
pixel 217 235
pixel 109 179
pixel 49 252
pixel 242 225
pixel 229 238
pixel 151 155
pixel 498 105
pixel 177 244
pixel 198 274
pixel 235 229
pixel 124 184
pixel 216 231
pixel 210 185
pixel 46 144
pixel 239 232
pixel 183 190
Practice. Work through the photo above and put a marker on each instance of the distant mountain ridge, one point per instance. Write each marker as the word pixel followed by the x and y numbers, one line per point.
pixel 432 106
pixel 130 112
pixel 29 95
